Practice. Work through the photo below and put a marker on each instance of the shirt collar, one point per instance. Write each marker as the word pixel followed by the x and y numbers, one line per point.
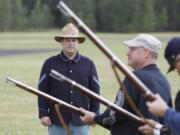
pixel 66 59
pixel 150 66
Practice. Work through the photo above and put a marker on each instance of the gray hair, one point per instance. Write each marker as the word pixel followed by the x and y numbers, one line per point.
pixel 154 55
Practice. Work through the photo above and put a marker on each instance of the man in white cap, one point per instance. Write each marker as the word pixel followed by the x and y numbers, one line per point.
pixel 142 54
pixel 159 107
pixel 77 67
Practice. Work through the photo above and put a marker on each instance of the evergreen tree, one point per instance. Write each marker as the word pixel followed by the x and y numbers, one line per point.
pixel 19 12
pixel 173 14
pixel 5 15
pixel 134 15
pixel 85 10
pixel 12 15
pixel 100 15
pixel 40 16
pixel 160 9
pixel 148 17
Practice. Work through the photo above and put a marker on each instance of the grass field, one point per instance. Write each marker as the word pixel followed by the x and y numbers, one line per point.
pixel 18 112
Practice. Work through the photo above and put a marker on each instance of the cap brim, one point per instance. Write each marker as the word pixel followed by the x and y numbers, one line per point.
pixel 80 39
pixel 172 65
pixel 171 68
pixel 130 43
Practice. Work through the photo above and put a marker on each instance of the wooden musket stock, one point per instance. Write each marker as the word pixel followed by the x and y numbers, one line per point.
pixel 148 95
pixel 39 93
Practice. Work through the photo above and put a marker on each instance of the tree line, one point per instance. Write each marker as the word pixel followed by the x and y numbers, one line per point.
pixel 99 15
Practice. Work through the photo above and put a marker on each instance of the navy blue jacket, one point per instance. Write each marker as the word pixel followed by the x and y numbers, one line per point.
pixel 83 71
pixel 156 82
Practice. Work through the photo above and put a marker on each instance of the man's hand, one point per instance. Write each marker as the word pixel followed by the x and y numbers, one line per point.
pixel 88 117
pixel 45 121
pixel 157 107
pixel 147 129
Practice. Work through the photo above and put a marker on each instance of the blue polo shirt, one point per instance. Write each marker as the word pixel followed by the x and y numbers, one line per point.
pixel 83 71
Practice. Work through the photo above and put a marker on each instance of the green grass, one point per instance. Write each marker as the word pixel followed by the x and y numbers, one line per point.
pixel 18 113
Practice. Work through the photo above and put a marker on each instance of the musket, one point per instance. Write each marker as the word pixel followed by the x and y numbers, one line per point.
pixel 70 107
pixel 57 102
pixel 40 93
pixel 104 101
pixel 146 92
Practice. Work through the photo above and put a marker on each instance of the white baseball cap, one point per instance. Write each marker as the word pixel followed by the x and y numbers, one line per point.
pixel 145 40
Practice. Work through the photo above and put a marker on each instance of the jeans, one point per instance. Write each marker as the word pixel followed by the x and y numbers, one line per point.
pixel 74 130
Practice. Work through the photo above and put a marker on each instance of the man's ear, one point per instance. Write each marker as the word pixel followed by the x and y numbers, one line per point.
pixel 146 53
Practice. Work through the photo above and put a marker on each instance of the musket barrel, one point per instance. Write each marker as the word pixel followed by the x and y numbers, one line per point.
pixel 104 101
pixel 143 88
pixel 40 93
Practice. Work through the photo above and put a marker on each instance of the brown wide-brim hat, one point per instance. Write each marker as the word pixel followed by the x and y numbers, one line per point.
pixel 70 31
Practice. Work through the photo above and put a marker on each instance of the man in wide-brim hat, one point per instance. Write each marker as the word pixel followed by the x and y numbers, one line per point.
pixel 77 67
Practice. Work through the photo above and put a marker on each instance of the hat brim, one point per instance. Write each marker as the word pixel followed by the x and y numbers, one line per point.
pixel 80 39
pixel 171 68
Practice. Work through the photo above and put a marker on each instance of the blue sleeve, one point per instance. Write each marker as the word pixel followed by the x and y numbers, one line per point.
pixel 94 86
pixel 110 117
pixel 101 119
pixel 172 118
pixel 177 101
pixel 43 85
